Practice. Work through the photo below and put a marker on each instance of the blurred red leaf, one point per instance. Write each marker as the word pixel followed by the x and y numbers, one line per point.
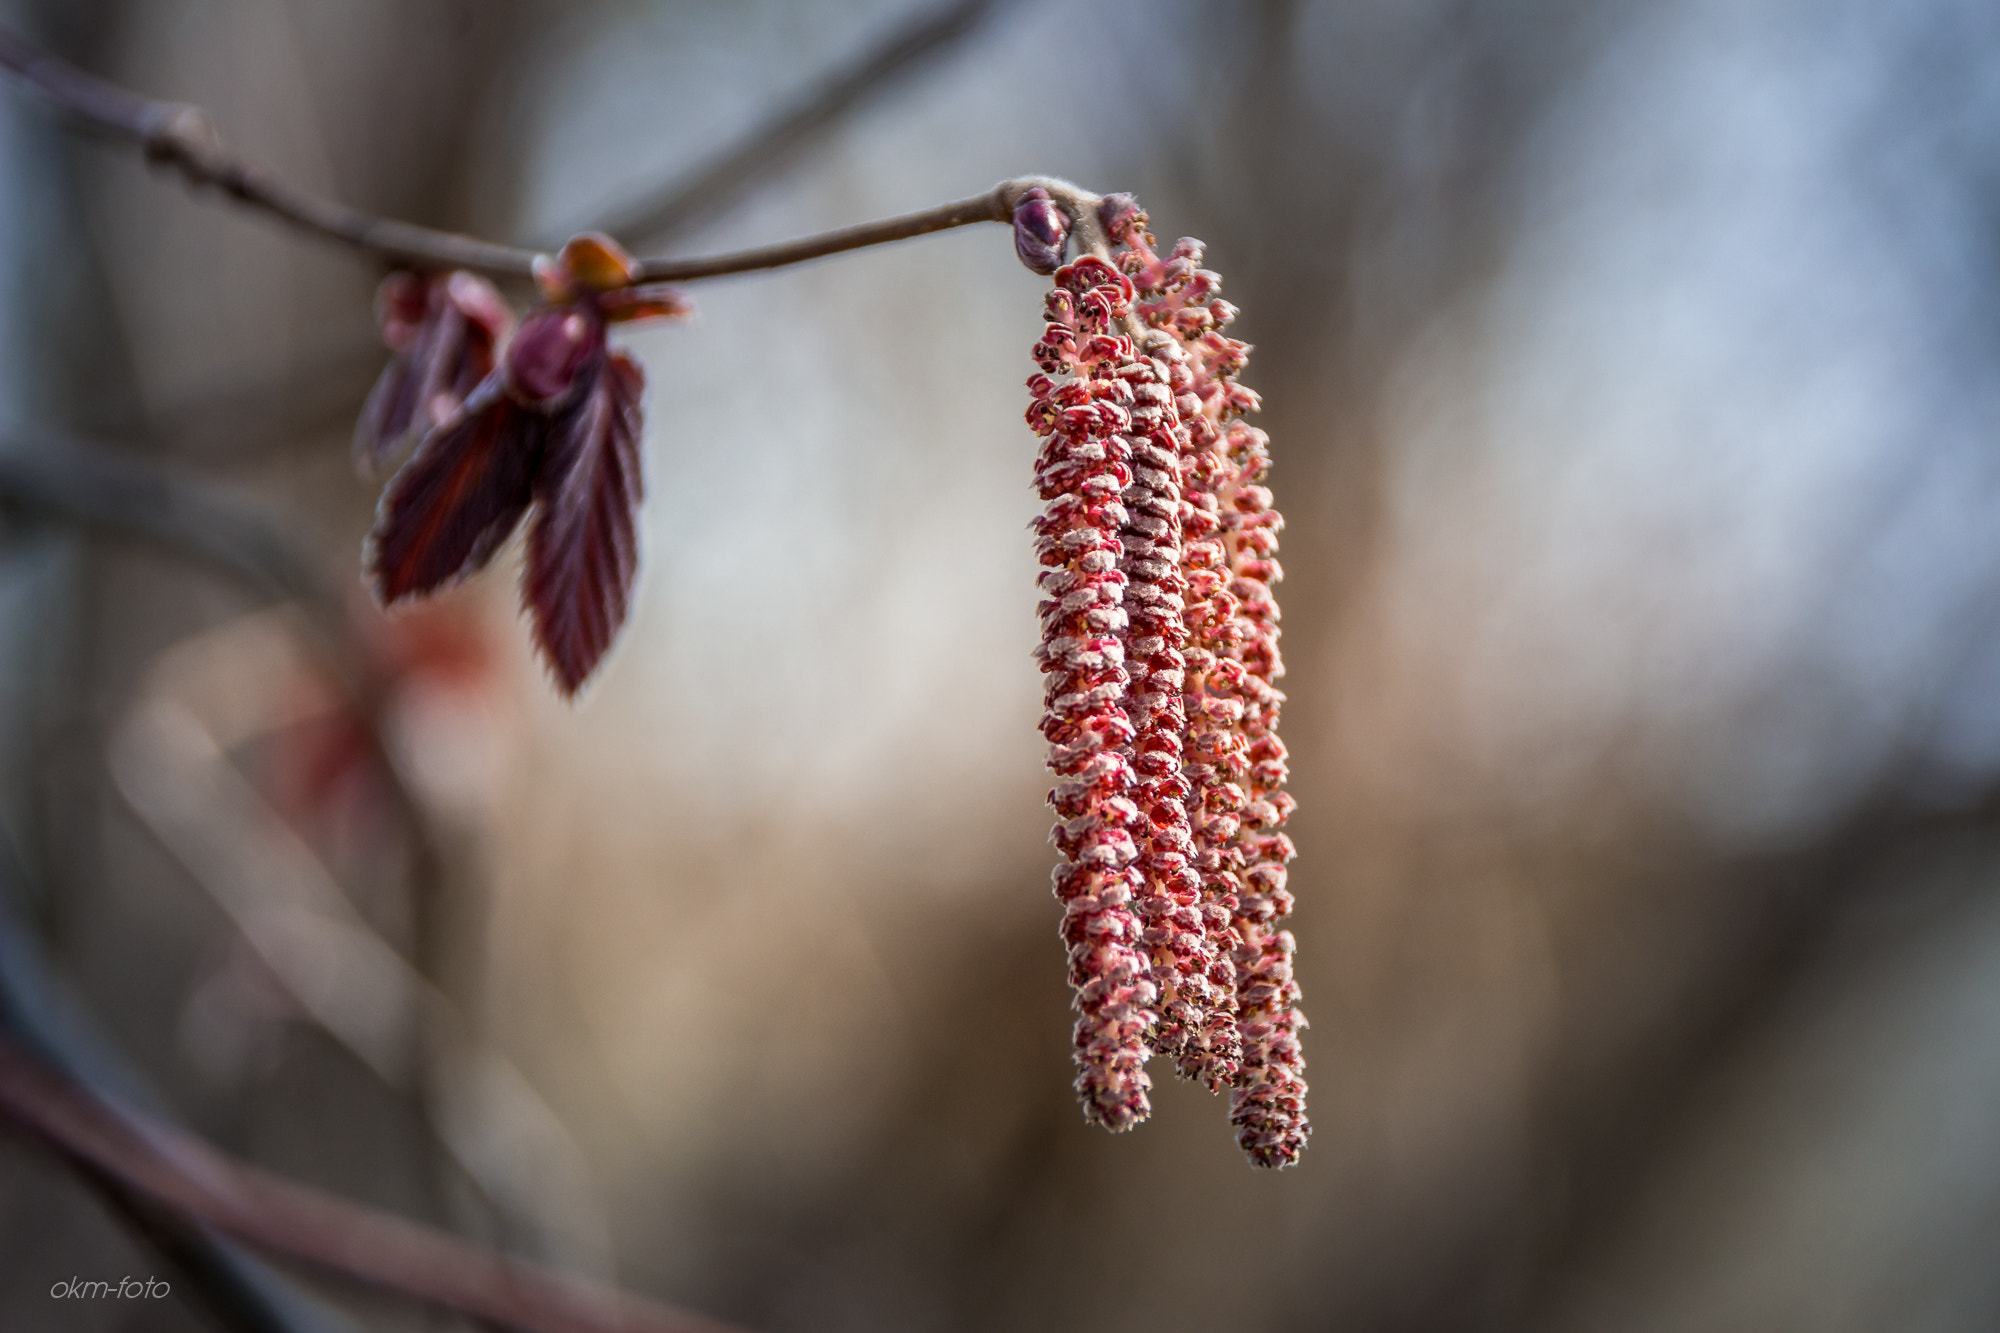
pixel 458 498
pixel 583 549
pixel 323 770
pixel 444 329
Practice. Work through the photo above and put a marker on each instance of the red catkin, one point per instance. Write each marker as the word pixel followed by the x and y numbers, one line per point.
pixel 1160 640
pixel 1234 763
pixel 1196 987
pixel 1081 408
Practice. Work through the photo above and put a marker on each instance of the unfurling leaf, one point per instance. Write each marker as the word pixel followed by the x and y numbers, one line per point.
pixel 457 499
pixel 583 547
pixel 444 329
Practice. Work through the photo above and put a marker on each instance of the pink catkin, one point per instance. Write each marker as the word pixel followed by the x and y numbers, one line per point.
pixel 1196 986
pixel 1081 474
pixel 1234 761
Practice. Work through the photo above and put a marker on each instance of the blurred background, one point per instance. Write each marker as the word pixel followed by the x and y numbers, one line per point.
pixel 1631 375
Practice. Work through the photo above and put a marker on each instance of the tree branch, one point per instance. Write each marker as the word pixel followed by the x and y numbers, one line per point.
pixel 196 1181
pixel 182 137
pixel 993 206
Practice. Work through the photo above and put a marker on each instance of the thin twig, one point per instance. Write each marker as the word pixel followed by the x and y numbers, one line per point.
pixel 654 214
pixel 988 207
pixel 779 140
pixel 280 1215
pixel 182 137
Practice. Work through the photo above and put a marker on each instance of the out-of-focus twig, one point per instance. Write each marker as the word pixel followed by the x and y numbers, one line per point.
pixel 48 478
pixel 274 889
pixel 280 1215
pixel 240 1296
pixel 38 1011
pixel 484 1116
pixel 56 479
pixel 778 141
pixel 93 488
pixel 182 137
pixel 171 769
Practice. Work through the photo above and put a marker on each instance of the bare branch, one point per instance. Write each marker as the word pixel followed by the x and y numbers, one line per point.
pixel 777 142
pixel 182 137
pixel 980 208
pixel 280 1215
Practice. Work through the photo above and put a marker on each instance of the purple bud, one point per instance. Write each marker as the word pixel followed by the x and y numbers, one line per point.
pixel 550 350
pixel 1040 232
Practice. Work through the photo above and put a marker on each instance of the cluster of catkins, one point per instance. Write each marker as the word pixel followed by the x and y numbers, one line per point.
pixel 1160 644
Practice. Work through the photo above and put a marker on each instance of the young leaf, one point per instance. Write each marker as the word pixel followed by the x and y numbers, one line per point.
pixel 583 548
pixel 458 498
pixel 444 330
pixel 409 381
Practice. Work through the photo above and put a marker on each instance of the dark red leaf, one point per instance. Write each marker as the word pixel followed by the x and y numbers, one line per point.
pixel 583 543
pixel 487 323
pixel 401 303
pixel 458 498
pixel 415 390
pixel 385 417
pixel 444 329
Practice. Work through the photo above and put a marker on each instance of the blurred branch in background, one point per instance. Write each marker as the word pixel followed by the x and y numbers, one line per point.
pixel 39 1013
pixel 380 1248
pixel 170 764
pixel 722 181
pixel 1793 915
pixel 170 761
pixel 62 481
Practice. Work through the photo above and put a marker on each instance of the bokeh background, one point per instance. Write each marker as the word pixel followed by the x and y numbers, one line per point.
pixel 1631 375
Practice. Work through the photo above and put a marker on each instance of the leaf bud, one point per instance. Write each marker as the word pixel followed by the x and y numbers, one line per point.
pixel 1041 232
